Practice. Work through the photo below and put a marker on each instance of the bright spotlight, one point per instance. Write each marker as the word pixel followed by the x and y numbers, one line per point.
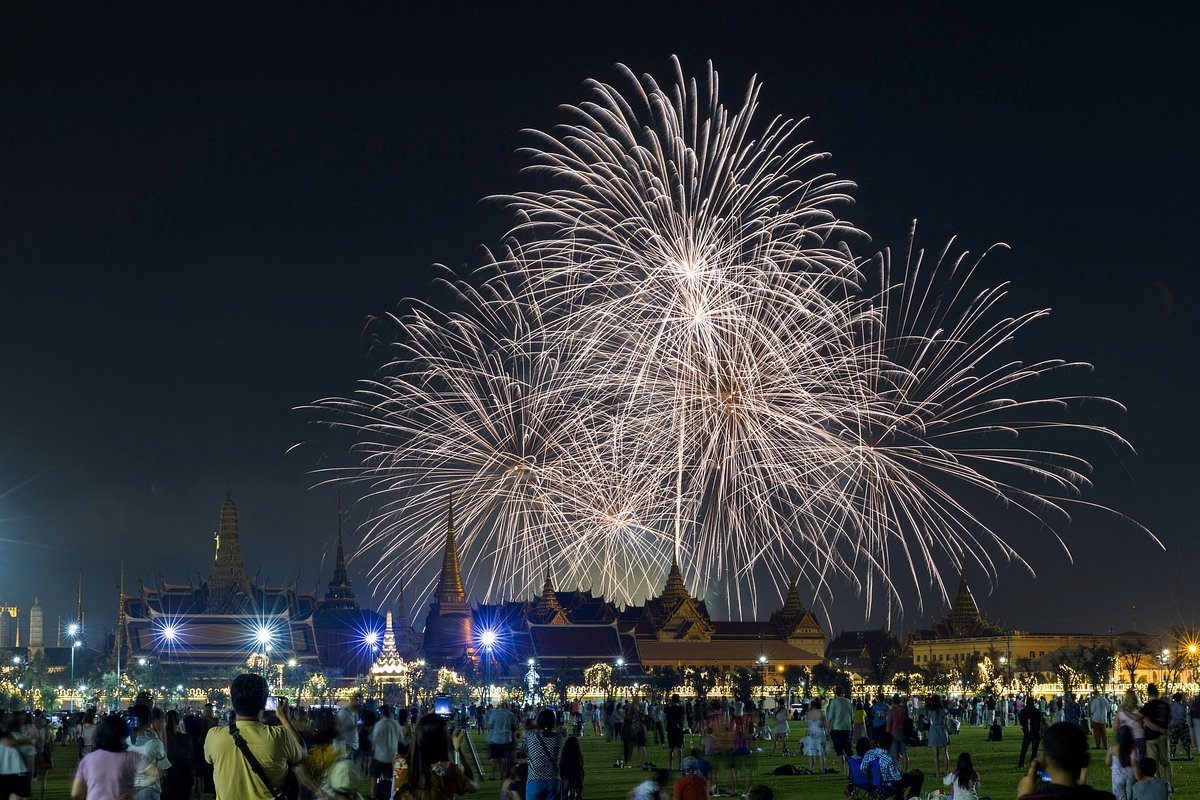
pixel 141 662
pixel 371 638
pixel 488 638
pixel 620 661
pixel 169 633
pixel 263 635
pixel 73 629
pixel 292 662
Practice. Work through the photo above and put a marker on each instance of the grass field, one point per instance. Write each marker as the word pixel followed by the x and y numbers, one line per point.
pixel 996 763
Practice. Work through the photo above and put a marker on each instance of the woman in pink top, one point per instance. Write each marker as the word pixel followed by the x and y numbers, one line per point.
pixel 109 771
pixel 1128 714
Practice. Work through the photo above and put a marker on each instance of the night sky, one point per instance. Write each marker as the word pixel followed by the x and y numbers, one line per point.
pixel 198 216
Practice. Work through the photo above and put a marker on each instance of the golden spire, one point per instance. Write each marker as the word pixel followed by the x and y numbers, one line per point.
pixel 450 586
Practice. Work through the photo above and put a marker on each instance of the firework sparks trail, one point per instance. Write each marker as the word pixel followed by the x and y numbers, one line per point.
pixel 678 353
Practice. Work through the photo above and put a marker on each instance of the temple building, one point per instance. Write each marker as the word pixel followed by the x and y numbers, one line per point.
pixel 575 628
pixel 449 632
pixel 964 632
pixel 348 637
pixel 220 621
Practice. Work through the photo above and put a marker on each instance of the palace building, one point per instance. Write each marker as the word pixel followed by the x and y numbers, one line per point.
pixel 223 620
pixel 575 628
pixel 964 632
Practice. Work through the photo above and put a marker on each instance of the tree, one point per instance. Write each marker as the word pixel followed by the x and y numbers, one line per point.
pixel 825 678
pixel 1027 673
pixel 937 677
pixel 599 678
pixel 703 680
pixel 742 682
pixel 973 672
pixel 1131 651
pixel 796 678
pixel 1068 664
pixel 881 663
pixel 662 681
pixel 1097 666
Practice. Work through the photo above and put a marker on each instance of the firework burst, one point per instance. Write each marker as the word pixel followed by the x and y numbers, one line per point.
pixel 678 353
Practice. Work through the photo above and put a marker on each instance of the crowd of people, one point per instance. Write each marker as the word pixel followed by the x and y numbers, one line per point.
pixel 261 748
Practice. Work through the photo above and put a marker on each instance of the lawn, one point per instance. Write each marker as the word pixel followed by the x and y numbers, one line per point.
pixel 996 763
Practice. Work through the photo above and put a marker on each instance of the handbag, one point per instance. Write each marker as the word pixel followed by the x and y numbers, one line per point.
pixel 291 786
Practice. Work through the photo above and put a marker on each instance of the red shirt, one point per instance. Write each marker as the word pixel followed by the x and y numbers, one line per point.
pixel 691 787
pixel 895 720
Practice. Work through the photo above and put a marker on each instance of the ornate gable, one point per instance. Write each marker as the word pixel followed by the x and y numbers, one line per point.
pixel 675 614
pixel 546 610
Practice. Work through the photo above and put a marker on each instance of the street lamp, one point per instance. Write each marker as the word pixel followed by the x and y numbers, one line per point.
pixel 74 644
pixel 264 636
pixel 488 639
pixel 762 671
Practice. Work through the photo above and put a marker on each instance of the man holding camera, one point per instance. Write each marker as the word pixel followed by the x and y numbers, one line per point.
pixel 252 760
pixel 1062 773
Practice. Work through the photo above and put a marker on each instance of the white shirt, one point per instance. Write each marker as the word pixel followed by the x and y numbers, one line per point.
pixel 11 761
pixel 347 722
pixel 1098 707
pixel 959 792
pixel 151 748
pixel 385 738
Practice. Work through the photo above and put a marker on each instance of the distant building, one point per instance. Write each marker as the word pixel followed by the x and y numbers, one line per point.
pixel 449 625
pixel 224 620
pixel 571 629
pixel 964 632
pixel 37 642
pixel 348 637
pixel 10 627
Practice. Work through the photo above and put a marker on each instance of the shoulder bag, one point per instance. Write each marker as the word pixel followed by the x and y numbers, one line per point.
pixel 291 787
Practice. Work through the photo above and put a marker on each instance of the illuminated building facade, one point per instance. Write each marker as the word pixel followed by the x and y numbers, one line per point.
pixel 224 620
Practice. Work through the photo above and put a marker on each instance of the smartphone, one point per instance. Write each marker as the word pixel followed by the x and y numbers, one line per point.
pixel 1041 773
pixel 441 705
pixel 272 703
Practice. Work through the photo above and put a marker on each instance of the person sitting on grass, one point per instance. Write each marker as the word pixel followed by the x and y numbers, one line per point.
pixel 1065 755
pixel 693 785
pixel 964 779
pixel 894 781
pixel 1149 786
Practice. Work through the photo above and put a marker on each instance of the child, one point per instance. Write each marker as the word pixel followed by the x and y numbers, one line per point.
pixel 964 779
pixel 1150 786
pixel 1120 760
pixel 996 732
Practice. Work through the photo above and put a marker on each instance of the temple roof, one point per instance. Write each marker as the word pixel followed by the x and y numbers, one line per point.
pixel 963 620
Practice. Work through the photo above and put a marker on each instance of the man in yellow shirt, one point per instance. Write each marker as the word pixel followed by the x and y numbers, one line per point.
pixel 276 747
